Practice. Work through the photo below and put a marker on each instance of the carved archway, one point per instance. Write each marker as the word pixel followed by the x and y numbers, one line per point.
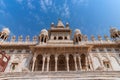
pixel 39 63
pixel 61 63
pixel 52 63
pixel 83 61
pixel 71 63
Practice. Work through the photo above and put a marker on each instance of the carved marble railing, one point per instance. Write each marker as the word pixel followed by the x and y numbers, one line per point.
pixel 35 40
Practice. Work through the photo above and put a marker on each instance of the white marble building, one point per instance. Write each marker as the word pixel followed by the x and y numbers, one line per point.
pixel 55 52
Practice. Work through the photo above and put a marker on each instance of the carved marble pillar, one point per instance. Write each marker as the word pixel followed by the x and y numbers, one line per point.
pixel 91 60
pixel 43 63
pixel 33 65
pixel 90 63
pixel 80 62
pixel 48 59
pixel 75 63
pixel 56 59
pixel 67 60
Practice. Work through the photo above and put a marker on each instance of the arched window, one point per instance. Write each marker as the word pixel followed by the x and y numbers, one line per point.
pixel 76 40
pixel 52 63
pixel 65 37
pixel 61 63
pixel 79 39
pixel 83 61
pixel 42 39
pixel 45 40
pixel 71 63
pixel 60 38
pixel 39 63
pixel 55 38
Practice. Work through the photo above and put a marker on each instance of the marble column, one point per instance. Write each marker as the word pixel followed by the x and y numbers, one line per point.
pixel 75 63
pixel 43 63
pixel 80 62
pixel 48 59
pixel 91 60
pixel 67 60
pixel 33 65
pixel 56 59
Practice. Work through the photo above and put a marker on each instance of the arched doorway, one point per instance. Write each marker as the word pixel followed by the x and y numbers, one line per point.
pixel 83 61
pixel 71 63
pixel 39 63
pixel 52 63
pixel 61 63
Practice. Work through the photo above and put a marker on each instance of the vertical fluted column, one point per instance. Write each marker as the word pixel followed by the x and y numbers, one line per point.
pixel 56 59
pixel 48 59
pixel 67 60
pixel 43 63
pixel 80 62
pixel 33 65
pixel 75 63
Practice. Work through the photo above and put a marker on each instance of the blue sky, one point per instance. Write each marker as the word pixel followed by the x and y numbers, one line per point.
pixel 28 17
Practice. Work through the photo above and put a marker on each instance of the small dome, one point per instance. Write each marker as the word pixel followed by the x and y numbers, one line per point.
pixel 67 23
pixel 77 31
pixel 44 31
pixel 52 23
pixel 113 29
pixel 6 30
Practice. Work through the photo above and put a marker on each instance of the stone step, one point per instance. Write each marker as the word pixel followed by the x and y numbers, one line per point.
pixel 80 75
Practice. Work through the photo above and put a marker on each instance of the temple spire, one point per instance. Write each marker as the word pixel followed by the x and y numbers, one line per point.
pixel 60 24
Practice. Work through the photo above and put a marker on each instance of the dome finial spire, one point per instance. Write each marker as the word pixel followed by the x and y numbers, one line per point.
pixel 60 24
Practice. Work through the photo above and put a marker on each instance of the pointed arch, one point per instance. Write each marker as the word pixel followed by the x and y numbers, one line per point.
pixel 39 63
pixel 71 63
pixel 83 61
pixel 52 63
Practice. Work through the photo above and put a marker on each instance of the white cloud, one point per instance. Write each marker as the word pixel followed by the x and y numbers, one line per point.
pixel 48 2
pixel 42 4
pixel 80 2
pixel 66 12
pixel 62 10
pixel 19 1
pixel 2 4
pixel 30 5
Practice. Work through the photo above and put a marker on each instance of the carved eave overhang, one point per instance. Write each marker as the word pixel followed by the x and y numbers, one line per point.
pixel 17 46
pixel 60 30
pixel 61 49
